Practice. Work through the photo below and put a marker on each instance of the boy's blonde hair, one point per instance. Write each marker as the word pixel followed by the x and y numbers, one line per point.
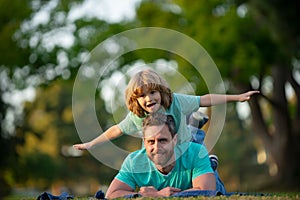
pixel 146 80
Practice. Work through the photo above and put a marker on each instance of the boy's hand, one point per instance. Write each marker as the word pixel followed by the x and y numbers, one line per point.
pixel 246 96
pixel 83 146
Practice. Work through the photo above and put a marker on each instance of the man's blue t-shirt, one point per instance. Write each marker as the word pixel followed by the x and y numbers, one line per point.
pixel 138 170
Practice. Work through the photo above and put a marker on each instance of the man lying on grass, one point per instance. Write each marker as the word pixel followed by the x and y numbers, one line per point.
pixel 163 168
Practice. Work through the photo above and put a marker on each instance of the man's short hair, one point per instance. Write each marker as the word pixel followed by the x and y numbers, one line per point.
pixel 158 119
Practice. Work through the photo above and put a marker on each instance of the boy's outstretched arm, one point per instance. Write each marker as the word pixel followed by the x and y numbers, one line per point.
pixel 109 134
pixel 215 99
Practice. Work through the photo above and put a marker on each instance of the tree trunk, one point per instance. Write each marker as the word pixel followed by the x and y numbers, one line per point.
pixel 281 139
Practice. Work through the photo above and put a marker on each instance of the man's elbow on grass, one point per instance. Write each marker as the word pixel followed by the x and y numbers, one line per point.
pixel 205 182
pixel 118 189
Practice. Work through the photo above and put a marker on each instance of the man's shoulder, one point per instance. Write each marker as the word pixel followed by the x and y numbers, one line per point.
pixel 190 146
pixel 190 149
pixel 191 155
pixel 137 154
pixel 138 161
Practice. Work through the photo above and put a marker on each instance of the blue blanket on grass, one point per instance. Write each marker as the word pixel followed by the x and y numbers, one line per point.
pixel 49 196
pixel 206 193
pixel 192 193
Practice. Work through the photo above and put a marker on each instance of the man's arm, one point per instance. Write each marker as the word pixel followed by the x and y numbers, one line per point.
pixel 205 182
pixel 118 189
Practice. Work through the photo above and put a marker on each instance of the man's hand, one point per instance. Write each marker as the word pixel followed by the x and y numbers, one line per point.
pixel 150 191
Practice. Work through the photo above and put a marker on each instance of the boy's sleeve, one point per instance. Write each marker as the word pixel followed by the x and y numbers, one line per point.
pixel 188 103
pixel 128 126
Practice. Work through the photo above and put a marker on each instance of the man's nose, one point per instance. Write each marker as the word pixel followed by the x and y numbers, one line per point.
pixel 156 146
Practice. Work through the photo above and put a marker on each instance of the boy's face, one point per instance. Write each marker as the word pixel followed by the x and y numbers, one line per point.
pixel 159 145
pixel 150 101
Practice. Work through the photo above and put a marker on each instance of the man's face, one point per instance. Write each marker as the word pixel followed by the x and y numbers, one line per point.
pixel 159 144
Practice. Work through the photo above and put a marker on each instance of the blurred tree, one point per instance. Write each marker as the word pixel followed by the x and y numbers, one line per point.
pixel 49 132
pixel 12 14
pixel 40 43
pixel 238 156
pixel 281 138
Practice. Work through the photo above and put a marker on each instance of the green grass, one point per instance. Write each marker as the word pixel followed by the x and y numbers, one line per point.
pixel 233 197
pixel 279 196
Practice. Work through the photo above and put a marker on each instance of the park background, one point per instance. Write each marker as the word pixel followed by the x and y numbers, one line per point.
pixel 254 43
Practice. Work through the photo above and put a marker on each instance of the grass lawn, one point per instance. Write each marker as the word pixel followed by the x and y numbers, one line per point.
pixel 234 197
pixel 279 196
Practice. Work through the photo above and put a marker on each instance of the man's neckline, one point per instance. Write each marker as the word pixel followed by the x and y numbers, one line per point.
pixel 168 169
